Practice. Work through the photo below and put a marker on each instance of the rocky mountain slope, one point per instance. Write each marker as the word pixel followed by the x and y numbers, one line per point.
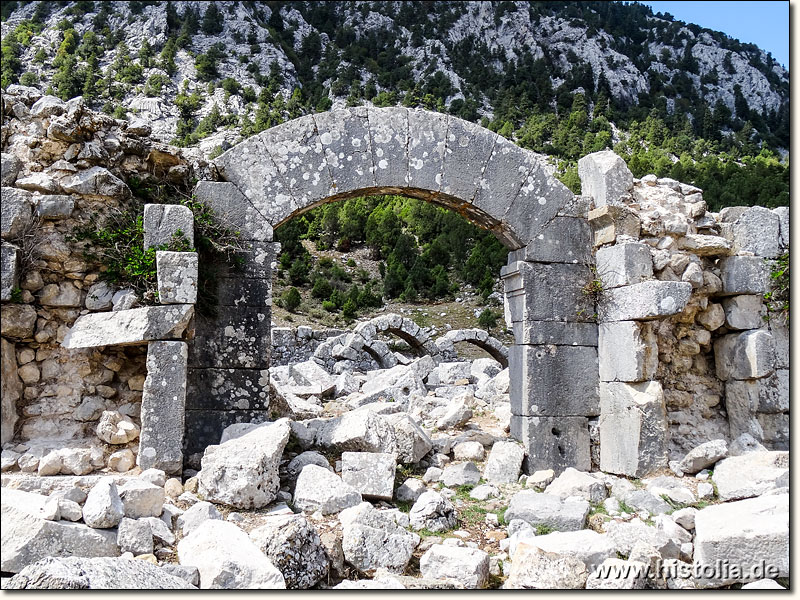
pixel 474 59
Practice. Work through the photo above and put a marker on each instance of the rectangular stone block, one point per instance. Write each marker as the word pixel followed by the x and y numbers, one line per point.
pixel 783 216
pixel 204 427
pixel 563 240
pixel 605 177
pixel 163 407
pixel 607 222
pixel 54 207
pixel 177 277
pixel 389 143
pixel 746 355
pixel 237 338
pixel 553 381
pixel 547 292
pixel 776 430
pixel 228 389
pixel 164 221
pixel 241 291
pixel 644 301
pixel 744 275
pixel 426 148
pixel 257 261
pixel 779 329
pixel 127 327
pixel 553 442
pixel 15 212
pixel 757 230
pixel 344 134
pixel 744 311
pixel 624 264
pixel 627 351
pixel 504 174
pixel 741 404
pixel 555 332
pixel 633 428
pixel 234 210
pixel 9 272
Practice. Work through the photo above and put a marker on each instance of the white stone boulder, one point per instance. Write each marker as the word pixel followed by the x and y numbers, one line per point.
pixel 535 569
pixel 103 507
pixel 752 474
pixel 115 428
pixel 605 177
pixel 548 510
pixel 504 462
pixel 703 456
pixel 468 566
pixel 577 483
pixel 141 499
pixel 370 473
pixel 618 574
pixel 433 512
pixel 319 489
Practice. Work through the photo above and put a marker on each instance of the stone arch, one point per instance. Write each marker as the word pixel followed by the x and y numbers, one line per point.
pixel 289 169
pixel 478 337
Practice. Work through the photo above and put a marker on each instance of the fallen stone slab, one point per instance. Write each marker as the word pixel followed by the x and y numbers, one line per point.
pixel 358 431
pixel 577 483
pixel 548 511
pixel 411 441
pixel 141 498
pixel 26 537
pixel 588 546
pixel 433 512
pixel 243 472
pixel 293 545
pixel 703 456
pixel 78 573
pixel 461 474
pixel 752 474
pixel 371 473
pixel 751 535
pixel 504 463
pixel 372 540
pixel 467 566
pixel 227 559
pixel 626 535
pixel 535 569
pixel 127 327
pixel 319 489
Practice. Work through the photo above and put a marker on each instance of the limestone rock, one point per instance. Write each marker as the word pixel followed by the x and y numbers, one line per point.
pixel 533 568
pixel 372 540
pixel 96 181
pixel 743 311
pixel 227 559
pixel 746 355
pixel 432 512
pixel 605 177
pixel 370 473
pixel 618 574
pixel 141 499
pixel 547 510
pixel 461 474
pixel 243 472
pixel 410 490
pixel 114 428
pixel 576 483
pixel 103 507
pixel 358 431
pixel 135 536
pixel 309 457
pixel 588 546
pixel 17 321
pixel 627 351
pixel 177 277
pixel 467 566
pixel 196 515
pixel 320 489
pixel 703 456
pixel 644 301
pixel 624 264
pixel 504 463
pixel 411 442
pixel 751 474
pixel 133 326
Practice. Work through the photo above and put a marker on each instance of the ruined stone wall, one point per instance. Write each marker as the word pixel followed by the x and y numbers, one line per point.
pixel 296 344
pixel 61 164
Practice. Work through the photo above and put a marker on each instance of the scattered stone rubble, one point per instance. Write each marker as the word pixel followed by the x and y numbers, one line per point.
pixel 349 465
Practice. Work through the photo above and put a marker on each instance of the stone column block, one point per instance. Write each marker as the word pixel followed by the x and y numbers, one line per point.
pixel 237 337
pixel 559 333
pixel 633 428
pixel 624 264
pixel 607 222
pixel 746 355
pixel 163 221
pixel 744 275
pixel 627 351
pixel 744 312
pixel 553 381
pixel 644 301
pixel 547 292
pixel 605 177
pixel 553 442
pixel 177 277
pixel 163 407
pixel 228 389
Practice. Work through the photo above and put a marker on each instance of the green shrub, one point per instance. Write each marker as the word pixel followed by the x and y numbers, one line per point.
pixel 291 299
pixel 329 306
pixel 322 288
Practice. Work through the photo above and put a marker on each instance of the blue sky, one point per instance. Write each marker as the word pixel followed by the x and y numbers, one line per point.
pixel 761 22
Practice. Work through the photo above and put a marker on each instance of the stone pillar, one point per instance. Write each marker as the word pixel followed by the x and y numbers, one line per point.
pixel 230 353
pixel 553 364
pixel 163 407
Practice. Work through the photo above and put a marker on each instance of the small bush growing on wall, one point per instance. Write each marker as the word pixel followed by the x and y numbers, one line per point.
pixel 777 299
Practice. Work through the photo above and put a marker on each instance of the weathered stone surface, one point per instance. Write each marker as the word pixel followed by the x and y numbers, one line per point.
pixel 177 277
pixel 757 230
pixel 624 264
pixel 461 474
pixel 238 337
pixel 234 210
pixel 309 457
pixel 627 351
pixel 751 474
pixel 372 540
pixel 548 510
pixel 27 537
pixel 553 442
pixel 743 312
pixel 293 545
pixel 243 472
pixel 60 295
pixel 559 367
pixel 357 431
pixel 467 566
pixel 703 456
pixel 103 507
pixel 618 574
pixel 319 489
pixel 410 490
pixel 370 473
pixel 705 245
pixel 136 536
pixel 433 512
pixel 163 407
pixel 9 277
pixel 605 177
pixel 164 222
pixel 456 414
pixel 547 292
pixel 411 441
pixel 345 138
pixel 608 222
pixel 227 558
pixel 54 207
pixel 125 327
pixel 744 275
pixel 115 428
pixel 17 321
pixel 100 296
pixel 586 545
pixel 78 573
pixel 644 301
pixel 196 515
pixel 633 428
pixel 11 165
pixel 576 483
pixel 141 499
pixel 535 569
pixel 563 240
pixel 746 534
pixel 96 181
pixel 504 463
pixel 10 389
pixel 635 533
pixel 746 355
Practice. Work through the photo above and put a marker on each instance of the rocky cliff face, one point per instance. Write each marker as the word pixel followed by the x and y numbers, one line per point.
pixel 328 49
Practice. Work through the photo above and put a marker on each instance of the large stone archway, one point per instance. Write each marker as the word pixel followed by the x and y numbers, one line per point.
pixel 294 167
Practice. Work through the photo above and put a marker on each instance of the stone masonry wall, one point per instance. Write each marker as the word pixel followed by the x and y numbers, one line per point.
pixel 297 344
